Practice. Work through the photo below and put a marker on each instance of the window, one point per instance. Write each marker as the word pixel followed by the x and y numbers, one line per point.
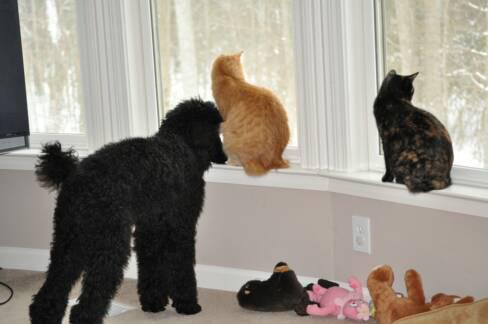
pixel 191 34
pixel 132 56
pixel 52 67
pixel 447 41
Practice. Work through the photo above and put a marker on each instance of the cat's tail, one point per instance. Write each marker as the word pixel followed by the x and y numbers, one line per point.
pixel 259 168
pixel 280 164
pixel 416 185
pixel 254 168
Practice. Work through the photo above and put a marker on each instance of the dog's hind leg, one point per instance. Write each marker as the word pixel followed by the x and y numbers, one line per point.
pixel 108 254
pixel 181 260
pixel 152 282
pixel 49 304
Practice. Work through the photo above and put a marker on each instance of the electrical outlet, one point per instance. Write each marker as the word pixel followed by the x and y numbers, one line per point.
pixel 361 234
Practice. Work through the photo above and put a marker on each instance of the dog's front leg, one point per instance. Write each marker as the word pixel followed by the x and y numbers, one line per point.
pixel 181 262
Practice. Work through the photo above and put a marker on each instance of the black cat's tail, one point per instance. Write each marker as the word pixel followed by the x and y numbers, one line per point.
pixel 416 185
pixel 55 165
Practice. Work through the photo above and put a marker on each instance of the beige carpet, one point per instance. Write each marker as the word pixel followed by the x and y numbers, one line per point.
pixel 218 306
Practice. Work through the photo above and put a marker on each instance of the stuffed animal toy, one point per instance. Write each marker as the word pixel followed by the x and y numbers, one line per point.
pixel 339 301
pixel 281 292
pixel 301 308
pixel 441 300
pixel 391 307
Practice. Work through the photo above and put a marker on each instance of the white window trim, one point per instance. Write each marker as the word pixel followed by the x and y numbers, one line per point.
pixel 335 85
pixel 117 69
pixel 78 141
pixel 141 67
pixel 461 199
pixel 335 91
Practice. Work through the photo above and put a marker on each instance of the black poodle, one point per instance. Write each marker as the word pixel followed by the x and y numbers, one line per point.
pixel 154 184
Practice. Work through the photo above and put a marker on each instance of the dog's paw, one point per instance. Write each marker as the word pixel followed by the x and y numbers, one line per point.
pixel 153 303
pixel 46 312
pixel 80 316
pixel 187 308
pixel 154 307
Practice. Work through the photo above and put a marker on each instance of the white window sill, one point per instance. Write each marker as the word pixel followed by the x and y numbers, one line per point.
pixel 25 159
pixel 457 198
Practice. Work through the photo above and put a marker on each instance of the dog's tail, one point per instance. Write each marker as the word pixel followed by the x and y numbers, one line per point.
pixel 55 166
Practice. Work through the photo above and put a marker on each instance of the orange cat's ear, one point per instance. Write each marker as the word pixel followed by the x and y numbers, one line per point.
pixel 238 55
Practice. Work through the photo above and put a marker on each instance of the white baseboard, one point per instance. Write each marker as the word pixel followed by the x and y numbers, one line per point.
pixel 24 259
pixel 208 276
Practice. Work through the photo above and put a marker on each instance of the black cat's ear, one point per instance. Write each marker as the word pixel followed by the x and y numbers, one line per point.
pixel 412 77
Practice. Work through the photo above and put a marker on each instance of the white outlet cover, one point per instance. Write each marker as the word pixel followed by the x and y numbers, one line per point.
pixel 361 234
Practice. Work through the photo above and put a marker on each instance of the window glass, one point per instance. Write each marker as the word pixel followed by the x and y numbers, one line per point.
pixel 447 41
pixel 52 66
pixel 191 34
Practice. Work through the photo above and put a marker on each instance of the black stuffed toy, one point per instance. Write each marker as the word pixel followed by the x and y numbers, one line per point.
pixel 281 292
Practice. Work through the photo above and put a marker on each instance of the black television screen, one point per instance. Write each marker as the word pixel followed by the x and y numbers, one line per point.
pixel 14 121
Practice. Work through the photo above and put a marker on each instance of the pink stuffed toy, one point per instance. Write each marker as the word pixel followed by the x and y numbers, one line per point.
pixel 339 302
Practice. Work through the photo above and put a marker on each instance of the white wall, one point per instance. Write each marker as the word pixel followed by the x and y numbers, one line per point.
pixel 255 227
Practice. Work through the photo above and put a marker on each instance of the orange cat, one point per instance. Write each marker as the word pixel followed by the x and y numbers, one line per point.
pixel 255 124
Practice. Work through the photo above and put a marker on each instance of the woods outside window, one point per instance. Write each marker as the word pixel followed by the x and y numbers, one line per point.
pixel 52 67
pixel 447 41
pixel 192 34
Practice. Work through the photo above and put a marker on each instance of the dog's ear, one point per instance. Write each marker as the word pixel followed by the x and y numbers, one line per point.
pixel 205 139
pixel 182 117
pixel 199 134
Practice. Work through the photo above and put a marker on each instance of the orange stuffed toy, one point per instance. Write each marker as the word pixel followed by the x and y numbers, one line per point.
pixel 389 307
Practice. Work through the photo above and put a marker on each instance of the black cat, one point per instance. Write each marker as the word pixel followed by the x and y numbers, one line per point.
pixel 417 147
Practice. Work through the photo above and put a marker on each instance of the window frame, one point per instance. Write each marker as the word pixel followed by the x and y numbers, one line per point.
pixel 117 70
pixel 292 152
pixel 116 62
pixel 334 128
pixel 80 141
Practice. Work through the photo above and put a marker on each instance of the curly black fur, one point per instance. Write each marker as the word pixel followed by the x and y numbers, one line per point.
pixel 154 183
pixel 54 165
